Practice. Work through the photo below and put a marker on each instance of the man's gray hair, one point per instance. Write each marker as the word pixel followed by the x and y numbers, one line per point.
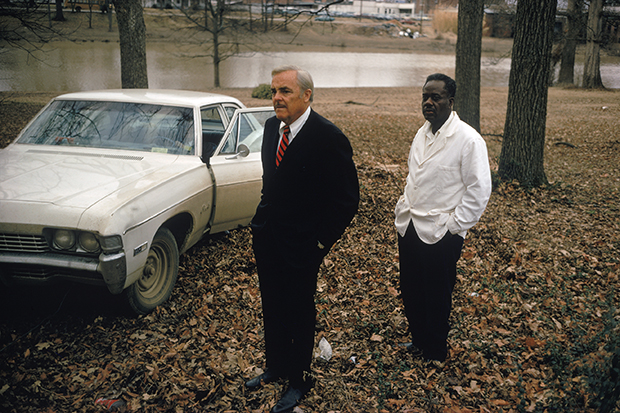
pixel 304 79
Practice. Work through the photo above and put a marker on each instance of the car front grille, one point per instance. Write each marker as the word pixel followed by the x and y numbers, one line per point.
pixel 41 274
pixel 27 271
pixel 23 243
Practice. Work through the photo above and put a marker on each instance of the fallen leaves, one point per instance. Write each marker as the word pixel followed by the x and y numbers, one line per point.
pixel 533 307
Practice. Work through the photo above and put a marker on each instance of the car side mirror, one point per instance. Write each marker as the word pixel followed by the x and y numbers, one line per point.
pixel 242 152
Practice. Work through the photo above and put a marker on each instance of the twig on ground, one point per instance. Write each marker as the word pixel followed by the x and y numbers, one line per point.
pixel 351 102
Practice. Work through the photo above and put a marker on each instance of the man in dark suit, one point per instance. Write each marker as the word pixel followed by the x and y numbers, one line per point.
pixel 310 195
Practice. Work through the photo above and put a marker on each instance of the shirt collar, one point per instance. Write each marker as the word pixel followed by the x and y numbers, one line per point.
pixel 441 131
pixel 297 125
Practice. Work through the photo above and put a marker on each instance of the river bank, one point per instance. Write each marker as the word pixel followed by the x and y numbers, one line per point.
pixel 302 34
pixel 346 52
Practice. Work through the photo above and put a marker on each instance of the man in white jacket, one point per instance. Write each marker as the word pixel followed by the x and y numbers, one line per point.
pixel 447 190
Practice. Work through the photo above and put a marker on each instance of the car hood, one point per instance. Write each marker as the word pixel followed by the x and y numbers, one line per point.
pixel 77 178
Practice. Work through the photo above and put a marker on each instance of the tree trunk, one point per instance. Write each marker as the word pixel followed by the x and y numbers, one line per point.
pixel 208 9
pixel 468 52
pixel 216 59
pixel 60 17
pixel 109 11
pixel 574 23
pixel 523 145
pixel 285 16
pixel 90 14
pixel 266 17
pixel 132 35
pixel 49 15
pixel 592 66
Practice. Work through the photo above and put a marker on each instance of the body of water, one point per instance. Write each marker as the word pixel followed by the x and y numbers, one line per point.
pixel 67 66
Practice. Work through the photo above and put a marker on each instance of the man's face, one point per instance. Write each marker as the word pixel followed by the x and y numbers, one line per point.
pixel 436 105
pixel 288 100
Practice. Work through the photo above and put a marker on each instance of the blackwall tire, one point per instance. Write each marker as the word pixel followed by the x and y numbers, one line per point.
pixel 159 274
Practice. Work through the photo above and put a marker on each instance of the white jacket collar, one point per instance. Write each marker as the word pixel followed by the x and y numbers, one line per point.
pixel 446 130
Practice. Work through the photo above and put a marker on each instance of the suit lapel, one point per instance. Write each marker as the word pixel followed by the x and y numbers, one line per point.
pixel 297 145
pixel 270 141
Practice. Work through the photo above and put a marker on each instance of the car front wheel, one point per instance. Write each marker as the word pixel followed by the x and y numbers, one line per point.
pixel 159 274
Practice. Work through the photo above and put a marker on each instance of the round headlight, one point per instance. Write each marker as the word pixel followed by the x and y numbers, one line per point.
pixel 89 242
pixel 64 239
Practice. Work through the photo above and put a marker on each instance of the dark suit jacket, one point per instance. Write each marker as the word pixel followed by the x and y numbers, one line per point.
pixel 312 196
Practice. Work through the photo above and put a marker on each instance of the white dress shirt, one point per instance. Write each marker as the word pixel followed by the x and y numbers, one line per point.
pixel 449 181
pixel 295 126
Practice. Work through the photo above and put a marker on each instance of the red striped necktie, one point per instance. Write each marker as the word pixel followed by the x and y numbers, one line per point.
pixel 283 145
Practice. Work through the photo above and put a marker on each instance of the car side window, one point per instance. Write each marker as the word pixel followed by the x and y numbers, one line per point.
pixel 212 128
pixel 230 146
pixel 248 130
pixel 230 110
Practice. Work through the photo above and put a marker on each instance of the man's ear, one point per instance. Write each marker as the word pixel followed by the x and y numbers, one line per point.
pixel 307 94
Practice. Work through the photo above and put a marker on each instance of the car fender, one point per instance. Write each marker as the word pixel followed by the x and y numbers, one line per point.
pixel 138 219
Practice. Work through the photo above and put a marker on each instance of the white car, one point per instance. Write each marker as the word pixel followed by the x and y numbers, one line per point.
pixel 110 187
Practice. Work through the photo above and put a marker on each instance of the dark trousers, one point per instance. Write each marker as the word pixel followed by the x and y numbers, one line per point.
pixel 289 314
pixel 427 278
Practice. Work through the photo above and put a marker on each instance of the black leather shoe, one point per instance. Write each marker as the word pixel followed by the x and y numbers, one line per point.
pixel 291 398
pixel 267 377
pixel 414 351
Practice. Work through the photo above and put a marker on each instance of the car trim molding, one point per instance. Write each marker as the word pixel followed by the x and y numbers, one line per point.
pixel 89 154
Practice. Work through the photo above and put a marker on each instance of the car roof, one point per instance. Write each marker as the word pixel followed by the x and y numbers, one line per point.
pixel 152 96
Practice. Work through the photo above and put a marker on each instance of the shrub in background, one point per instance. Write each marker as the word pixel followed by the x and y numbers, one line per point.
pixel 262 91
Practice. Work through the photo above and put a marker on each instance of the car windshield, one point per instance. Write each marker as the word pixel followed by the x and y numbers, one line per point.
pixel 117 125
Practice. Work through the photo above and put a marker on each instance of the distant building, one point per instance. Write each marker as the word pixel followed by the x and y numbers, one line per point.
pixel 394 9
pixel 397 9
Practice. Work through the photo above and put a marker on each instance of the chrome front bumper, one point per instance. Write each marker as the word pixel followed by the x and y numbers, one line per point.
pixel 45 267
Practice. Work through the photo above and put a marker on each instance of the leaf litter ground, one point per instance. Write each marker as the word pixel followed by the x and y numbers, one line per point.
pixel 534 316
